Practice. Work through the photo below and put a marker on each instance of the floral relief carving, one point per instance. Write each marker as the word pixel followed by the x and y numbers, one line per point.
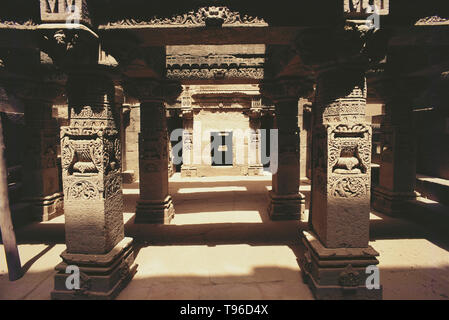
pixel 200 18
pixel 348 186
pixel 82 190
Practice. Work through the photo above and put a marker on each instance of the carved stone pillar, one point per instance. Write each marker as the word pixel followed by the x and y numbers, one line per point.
pixel 40 171
pixel 337 251
pixel 397 176
pixel 155 204
pixel 188 168
pixel 93 204
pixel 255 167
pixel 285 200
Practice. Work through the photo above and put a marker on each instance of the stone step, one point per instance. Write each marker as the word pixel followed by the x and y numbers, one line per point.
pixel 433 188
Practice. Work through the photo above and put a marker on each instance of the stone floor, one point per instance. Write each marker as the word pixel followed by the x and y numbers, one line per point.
pixel 221 245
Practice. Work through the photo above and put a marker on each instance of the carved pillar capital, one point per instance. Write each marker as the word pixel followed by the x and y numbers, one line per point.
pixel 280 90
pixel 70 47
pixel 399 88
pixel 33 90
pixel 352 44
pixel 340 96
pixel 152 90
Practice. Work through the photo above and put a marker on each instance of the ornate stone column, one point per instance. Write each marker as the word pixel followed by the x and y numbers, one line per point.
pixel 285 200
pixel 255 167
pixel 336 245
pixel 188 168
pixel 397 176
pixel 40 172
pixel 41 180
pixel 337 251
pixel 155 204
pixel 93 206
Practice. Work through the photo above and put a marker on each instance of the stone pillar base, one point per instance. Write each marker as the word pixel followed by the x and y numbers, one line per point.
pixel 188 171
pixel 286 207
pixel 391 203
pixel 256 170
pixel 102 276
pixel 337 274
pixel 46 208
pixel 154 211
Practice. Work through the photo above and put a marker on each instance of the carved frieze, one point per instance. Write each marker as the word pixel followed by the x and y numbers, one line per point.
pixel 432 21
pixel 204 16
pixel 215 73
pixel 28 24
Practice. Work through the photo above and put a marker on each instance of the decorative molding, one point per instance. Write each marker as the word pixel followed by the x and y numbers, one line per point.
pixel 224 66
pixel 204 16
pixel 432 21
pixel 217 74
pixel 29 24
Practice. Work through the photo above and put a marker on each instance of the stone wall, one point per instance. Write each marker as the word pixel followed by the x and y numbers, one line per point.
pixel 229 120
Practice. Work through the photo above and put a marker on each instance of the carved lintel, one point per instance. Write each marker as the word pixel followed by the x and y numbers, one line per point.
pixel 432 21
pixel 71 47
